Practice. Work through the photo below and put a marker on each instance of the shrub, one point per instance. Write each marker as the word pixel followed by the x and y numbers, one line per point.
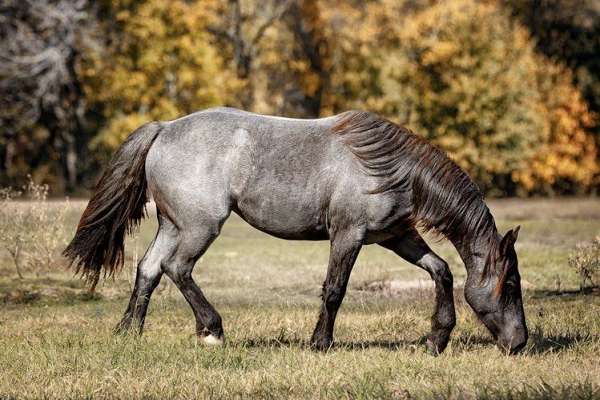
pixel 32 229
pixel 13 238
pixel 586 261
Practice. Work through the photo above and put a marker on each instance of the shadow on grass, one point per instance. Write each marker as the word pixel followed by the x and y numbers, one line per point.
pixel 42 297
pixel 273 343
pixel 338 345
pixel 469 342
pixel 540 344
pixel 382 344
pixel 539 391
pixel 586 291
pixel 463 343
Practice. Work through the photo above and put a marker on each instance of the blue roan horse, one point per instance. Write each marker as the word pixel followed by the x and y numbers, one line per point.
pixel 353 179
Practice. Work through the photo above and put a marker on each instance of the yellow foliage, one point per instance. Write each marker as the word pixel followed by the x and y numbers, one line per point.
pixel 466 76
pixel 463 76
pixel 462 73
pixel 162 66
pixel 568 153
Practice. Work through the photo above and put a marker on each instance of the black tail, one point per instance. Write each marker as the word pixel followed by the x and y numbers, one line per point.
pixel 116 207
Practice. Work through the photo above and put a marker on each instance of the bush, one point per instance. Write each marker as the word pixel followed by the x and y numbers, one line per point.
pixel 586 261
pixel 32 230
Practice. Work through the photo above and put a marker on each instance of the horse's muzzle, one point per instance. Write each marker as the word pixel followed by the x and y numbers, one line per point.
pixel 513 342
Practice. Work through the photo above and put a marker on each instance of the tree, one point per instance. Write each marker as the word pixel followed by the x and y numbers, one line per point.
pixel 567 30
pixel 360 36
pixel 464 76
pixel 159 64
pixel 242 31
pixel 566 159
pixel 467 76
pixel 42 105
pixel 310 63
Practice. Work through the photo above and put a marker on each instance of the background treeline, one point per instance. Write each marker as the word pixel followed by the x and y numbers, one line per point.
pixel 510 89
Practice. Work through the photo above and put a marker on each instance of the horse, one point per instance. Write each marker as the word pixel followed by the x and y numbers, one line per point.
pixel 354 179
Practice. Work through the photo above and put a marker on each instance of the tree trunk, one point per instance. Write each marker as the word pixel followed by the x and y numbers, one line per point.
pixel 307 26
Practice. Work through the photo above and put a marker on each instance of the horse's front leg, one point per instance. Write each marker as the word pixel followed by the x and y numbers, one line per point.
pixel 413 249
pixel 345 246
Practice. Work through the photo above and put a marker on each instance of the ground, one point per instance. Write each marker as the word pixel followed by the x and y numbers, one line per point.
pixel 56 339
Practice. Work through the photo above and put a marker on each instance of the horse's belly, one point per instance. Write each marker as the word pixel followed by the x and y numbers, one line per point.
pixel 284 217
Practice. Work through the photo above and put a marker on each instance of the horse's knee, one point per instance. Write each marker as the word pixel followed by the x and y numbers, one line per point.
pixel 190 246
pixel 439 270
pixel 332 296
pixel 178 268
pixel 179 272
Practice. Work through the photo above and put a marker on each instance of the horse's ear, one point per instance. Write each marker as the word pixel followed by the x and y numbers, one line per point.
pixel 509 239
pixel 515 233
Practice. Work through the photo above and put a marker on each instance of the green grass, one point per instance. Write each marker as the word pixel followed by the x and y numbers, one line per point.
pixel 56 340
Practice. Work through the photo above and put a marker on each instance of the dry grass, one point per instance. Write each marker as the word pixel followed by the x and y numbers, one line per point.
pixel 56 341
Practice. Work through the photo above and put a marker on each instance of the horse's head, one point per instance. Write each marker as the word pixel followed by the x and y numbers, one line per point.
pixel 495 295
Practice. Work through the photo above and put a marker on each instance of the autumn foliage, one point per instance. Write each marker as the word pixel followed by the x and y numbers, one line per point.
pixel 159 66
pixel 468 75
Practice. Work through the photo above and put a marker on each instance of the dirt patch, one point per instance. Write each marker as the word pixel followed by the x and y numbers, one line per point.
pixel 398 288
pixel 49 295
pixel 21 297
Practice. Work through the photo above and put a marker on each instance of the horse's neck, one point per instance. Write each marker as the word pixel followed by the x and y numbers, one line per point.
pixel 475 247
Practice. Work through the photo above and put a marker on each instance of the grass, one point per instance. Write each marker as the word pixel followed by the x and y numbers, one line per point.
pixel 56 341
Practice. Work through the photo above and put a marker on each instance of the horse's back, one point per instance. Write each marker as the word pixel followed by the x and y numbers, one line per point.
pixel 278 173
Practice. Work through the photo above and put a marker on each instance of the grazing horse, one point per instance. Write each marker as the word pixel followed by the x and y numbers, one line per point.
pixel 353 179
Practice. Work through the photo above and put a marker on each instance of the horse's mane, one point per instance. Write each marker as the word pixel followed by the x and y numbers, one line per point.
pixel 445 199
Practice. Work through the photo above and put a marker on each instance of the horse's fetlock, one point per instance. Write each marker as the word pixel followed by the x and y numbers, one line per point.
pixel 214 325
pixel 443 322
pixel 321 343
pixel 448 324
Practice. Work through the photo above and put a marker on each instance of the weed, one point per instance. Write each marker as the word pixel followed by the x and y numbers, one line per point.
pixel 586 262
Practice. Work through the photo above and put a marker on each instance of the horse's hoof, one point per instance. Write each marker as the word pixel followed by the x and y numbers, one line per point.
pixel 212 340
pixel 432 348
pixel 321 345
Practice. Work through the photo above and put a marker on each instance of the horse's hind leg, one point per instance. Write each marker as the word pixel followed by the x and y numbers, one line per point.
pixel 413 249
pixel 148 276
pixel 192 242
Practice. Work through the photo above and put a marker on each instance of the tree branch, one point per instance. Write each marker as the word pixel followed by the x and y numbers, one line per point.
pixel 282 9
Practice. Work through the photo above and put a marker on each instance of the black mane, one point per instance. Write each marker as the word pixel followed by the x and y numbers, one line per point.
pixel 446 200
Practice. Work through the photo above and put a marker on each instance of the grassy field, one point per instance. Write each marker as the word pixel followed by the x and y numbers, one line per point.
pixel 56 341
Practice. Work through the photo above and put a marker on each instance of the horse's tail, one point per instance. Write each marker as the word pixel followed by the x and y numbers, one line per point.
pixel 117 206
